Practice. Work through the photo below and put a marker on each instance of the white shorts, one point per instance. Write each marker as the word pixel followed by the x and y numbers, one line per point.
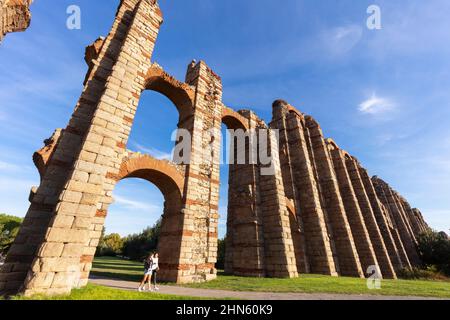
pixel 148 272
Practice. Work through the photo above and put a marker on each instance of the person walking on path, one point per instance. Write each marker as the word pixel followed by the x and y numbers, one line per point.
pixel 147 274
pixel 155 269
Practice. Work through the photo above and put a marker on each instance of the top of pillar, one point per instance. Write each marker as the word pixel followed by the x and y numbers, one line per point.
pixel 282 108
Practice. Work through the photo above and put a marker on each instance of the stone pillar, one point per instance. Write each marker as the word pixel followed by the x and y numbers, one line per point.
pixel 201 211
pixel 297 226
pixel 389 199
pixel 279 249
pixel 381 252
pixel 59 230
pixel 381 218
pixel 399 200
pixel 303 187
pixel 412 218
pixel 423 227
pixel 245 237
pixel 349 263
pixel 360 233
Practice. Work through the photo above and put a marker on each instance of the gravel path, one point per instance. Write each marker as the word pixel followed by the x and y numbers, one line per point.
pixel 240 295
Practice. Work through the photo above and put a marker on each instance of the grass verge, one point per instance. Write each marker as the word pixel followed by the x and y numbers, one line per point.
pixel 95 292
pixel 116 268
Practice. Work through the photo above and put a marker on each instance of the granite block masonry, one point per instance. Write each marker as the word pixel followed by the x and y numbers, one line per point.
pixel 318 212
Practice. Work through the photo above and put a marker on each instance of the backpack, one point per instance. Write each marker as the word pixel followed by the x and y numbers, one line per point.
pixel 147 264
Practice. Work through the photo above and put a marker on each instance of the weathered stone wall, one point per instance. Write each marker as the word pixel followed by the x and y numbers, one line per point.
pixel 15 16
pixel 315 211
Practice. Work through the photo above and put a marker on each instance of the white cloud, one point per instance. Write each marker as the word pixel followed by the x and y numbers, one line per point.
pixel 158 154
pixel 342 39
pixel 376 105
pixel 8 166
pixel 137 205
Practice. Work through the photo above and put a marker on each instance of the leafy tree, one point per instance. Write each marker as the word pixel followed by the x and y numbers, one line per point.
pixel 110 245
pixel 138 246
pixel 434 249
pixel 221 255
pixel 9 228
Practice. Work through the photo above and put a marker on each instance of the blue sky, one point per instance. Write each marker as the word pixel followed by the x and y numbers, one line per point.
pixel 383 95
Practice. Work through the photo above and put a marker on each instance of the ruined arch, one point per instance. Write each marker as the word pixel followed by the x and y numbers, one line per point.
pixel 234 120
pixel 166 176
pixel 181 94
pixel 169 179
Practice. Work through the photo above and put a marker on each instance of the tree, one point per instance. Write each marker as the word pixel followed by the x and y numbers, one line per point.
pixel 138 246
pixel 434 249
pixel 110 245
pixel 9 228
pixel 221 254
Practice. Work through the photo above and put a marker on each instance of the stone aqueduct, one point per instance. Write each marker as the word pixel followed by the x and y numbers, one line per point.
pixel 319 213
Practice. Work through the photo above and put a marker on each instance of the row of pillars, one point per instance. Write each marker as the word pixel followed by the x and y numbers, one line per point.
pixel 347 222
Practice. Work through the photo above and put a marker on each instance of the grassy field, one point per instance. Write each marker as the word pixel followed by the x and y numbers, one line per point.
pixel 118 269
pixel 132 271
pixel 94 292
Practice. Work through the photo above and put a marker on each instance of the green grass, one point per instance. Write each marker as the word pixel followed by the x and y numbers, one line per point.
pixel 132 271
pixel 326 284
pixel 95 292
pixel 116 268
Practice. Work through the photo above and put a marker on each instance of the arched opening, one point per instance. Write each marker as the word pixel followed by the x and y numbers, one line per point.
pixel 148 159
pixel 165 238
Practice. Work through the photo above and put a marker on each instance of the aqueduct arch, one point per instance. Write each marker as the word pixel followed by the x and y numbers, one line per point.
pixel 181 94
pixel 317 211
pixel 169 179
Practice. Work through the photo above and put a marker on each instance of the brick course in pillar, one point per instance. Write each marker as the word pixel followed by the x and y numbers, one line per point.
pixel 315 211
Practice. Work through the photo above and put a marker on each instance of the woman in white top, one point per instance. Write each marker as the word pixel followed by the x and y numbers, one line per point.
pixel 155 268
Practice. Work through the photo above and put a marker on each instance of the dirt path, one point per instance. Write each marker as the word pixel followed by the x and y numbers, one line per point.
pixel 240 295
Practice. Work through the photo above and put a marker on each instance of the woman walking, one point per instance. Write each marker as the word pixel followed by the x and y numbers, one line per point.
pixel 147 273
pixel 155 269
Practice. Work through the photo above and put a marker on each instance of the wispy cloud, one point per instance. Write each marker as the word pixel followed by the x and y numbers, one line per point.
pixel 136 205
pixel 13 167
pixel 158 154
pixel 376 105
pixel 8 166
pixel 341 40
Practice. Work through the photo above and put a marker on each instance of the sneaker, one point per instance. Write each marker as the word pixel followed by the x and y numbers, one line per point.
pixel 140 289
pixel 156 288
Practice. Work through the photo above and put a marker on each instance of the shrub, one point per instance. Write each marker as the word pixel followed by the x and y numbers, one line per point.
pixel 430 273
pixel 434 250
pixel 9 228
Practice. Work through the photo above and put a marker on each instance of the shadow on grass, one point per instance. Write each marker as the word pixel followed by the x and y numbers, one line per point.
pixel 117 276
pixel 116 267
